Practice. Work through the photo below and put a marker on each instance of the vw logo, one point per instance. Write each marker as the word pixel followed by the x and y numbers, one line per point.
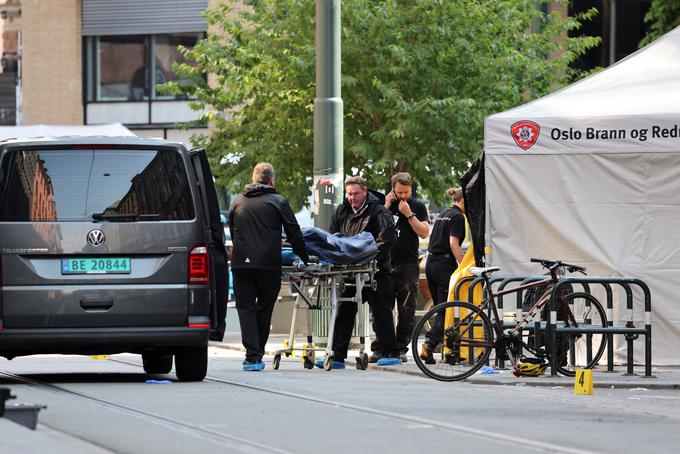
pixel 95 238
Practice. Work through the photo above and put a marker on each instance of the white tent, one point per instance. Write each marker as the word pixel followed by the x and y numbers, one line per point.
pixel 25 132
pixel 591 174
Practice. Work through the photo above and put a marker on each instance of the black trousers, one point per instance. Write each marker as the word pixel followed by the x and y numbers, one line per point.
pixel 255 292
pixel 405 287
pixel 381 302
pixel 438 271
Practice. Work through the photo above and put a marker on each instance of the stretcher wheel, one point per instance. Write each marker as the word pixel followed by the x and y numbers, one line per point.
pixel 362 362
pixel 308 363
pixel 276 362
pixel 328 362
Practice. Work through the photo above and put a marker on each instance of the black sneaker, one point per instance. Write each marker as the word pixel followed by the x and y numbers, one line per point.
pixel 403 357
pixel 375 357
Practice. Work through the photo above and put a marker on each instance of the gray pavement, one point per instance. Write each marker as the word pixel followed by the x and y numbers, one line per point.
pixel 298 410
pixel 17 439
pixel 663 377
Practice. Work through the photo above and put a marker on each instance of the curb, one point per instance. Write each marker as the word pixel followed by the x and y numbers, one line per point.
pixel 544 382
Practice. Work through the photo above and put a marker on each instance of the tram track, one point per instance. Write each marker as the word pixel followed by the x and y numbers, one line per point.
pixel 482 434
pixel 244 445
pixel 225 440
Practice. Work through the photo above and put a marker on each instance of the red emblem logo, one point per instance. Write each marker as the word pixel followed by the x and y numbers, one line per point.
pixel 525 133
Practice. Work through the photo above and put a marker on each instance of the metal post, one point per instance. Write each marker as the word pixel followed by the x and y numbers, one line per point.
pixel 328 125
pixel 612 32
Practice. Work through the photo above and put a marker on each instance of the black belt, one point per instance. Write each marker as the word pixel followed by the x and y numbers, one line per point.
pixel 449 256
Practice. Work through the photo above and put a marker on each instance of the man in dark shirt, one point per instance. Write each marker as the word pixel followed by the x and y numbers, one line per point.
pixel 443 256
pixel 363 212
pixel 411 220
pixel 255 222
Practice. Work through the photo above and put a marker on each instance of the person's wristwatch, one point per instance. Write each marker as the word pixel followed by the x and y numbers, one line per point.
pixel 412 215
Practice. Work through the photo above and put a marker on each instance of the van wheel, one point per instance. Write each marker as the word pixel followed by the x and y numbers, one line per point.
pixel 154 364
pixel 191 363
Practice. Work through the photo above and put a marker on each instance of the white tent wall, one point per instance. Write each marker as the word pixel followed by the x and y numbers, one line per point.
pixel 612 213
pixel 589 174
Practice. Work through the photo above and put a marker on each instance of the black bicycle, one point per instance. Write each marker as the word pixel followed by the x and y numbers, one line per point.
pixel 455 339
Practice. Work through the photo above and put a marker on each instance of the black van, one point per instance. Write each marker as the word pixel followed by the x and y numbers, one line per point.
pixel 111 245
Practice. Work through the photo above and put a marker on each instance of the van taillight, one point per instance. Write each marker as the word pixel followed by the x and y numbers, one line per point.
pixel 198 265
pixel 2 325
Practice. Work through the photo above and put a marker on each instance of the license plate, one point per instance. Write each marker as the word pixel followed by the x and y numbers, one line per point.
pixel 96 265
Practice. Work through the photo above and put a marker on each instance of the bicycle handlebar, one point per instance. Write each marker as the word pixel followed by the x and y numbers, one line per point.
pixel 554 264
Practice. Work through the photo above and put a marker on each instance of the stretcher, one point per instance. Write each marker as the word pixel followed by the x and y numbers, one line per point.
pixel 320 287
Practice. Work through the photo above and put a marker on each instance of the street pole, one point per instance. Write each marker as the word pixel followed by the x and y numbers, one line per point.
pixel 328 128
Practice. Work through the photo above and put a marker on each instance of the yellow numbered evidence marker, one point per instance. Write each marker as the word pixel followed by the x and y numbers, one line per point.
pixel 583 382
pixel 100 356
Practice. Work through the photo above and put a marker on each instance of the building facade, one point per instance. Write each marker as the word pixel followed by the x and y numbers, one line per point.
pixel 101 61
pixel 621 25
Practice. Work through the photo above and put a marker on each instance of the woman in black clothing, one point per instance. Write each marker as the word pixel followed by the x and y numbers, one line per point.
pixel 444 253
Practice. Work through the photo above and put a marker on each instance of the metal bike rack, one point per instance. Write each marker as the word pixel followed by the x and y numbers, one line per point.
pixel 538 326
pixel 629 330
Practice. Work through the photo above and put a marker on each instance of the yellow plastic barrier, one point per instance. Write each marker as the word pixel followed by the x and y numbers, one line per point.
pixel 462 271
pixel 286 344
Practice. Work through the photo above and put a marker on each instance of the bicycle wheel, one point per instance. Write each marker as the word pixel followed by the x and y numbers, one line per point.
pixel 581 351
pixel 458 341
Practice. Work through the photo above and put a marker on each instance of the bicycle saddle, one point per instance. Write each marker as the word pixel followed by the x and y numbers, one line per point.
pixel 476 271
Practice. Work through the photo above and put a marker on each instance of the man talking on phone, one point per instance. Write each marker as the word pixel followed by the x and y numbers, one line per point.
pixel 411 222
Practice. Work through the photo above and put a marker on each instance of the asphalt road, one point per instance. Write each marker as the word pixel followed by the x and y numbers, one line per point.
pixel 106 406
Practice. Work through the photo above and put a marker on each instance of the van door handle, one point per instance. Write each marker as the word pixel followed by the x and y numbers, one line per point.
pixel 96 304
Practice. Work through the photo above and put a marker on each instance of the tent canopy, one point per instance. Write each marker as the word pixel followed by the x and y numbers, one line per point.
pixel 588 174
pixel 639 92
pixel 32 131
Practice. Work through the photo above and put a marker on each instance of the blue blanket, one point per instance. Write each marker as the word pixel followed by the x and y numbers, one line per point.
pixel 340 249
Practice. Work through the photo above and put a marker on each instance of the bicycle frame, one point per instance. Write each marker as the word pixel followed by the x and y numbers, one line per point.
pixel 490 304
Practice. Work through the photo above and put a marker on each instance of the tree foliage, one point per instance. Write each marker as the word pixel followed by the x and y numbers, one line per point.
pixel 418 79
pixel 662 17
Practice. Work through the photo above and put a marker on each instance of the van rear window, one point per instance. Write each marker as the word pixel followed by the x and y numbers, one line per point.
pixel 82 185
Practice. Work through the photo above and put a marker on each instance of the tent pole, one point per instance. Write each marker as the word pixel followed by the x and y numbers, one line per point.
pixel 612 32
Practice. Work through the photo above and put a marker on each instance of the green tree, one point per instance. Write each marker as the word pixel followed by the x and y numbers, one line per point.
pixel 662 17
pixel 418 79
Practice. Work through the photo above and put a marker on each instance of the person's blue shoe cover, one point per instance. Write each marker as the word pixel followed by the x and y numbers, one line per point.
pixel 334 364
pixel 389 362
pixel 258 366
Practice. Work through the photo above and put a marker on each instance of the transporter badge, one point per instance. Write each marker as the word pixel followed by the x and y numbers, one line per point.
pixel 525 133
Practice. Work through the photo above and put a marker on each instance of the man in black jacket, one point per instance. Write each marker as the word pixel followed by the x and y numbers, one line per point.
pixel 255 223
pixel 362 211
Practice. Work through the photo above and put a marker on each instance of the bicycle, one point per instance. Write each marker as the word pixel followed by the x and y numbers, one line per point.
pixel 461 337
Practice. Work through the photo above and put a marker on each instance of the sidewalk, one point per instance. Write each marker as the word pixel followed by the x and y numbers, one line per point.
pixel 664 377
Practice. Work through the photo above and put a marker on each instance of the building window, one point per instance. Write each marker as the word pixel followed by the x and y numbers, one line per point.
pixel 167 52
pixel 621 25
pixel 119 68
pixel 123 68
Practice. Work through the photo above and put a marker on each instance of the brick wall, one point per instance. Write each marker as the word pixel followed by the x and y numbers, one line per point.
pixel 52 75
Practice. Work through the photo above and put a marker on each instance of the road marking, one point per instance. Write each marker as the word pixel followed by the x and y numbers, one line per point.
pixel 655 397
